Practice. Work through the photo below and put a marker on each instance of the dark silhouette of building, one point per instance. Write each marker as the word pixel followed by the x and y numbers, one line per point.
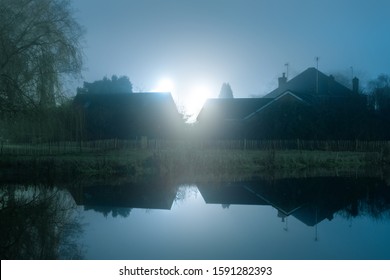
pixel 311 84
pixel 128 115
pixel 223 118
pixel 311 105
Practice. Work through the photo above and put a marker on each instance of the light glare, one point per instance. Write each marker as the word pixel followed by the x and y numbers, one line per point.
pixel 164 85
pixel 195 101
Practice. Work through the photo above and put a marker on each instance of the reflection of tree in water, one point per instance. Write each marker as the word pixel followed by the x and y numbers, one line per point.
pixel 38 223
pixel 375 204
pixel 115 211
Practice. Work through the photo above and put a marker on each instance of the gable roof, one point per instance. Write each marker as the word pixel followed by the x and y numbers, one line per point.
pixel 304 85
pixel 230 108
pixel 286 93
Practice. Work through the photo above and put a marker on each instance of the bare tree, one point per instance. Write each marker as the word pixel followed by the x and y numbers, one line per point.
pixel 379 90
pixel 39 45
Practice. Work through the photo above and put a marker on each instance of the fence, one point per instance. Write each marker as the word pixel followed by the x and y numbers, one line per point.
pixel 55 148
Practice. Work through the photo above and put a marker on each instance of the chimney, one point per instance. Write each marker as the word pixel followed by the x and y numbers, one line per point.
pixel 282 80
pixel 355 85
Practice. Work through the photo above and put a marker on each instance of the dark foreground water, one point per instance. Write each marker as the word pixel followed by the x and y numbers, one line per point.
pixel 312 218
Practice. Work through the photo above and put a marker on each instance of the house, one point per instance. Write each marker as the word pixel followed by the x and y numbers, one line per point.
pixel 313 84
pixel 311 105
pixel 128 115
pixel 223 118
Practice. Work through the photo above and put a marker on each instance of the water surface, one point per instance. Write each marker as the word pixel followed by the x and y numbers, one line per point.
pixel 312 218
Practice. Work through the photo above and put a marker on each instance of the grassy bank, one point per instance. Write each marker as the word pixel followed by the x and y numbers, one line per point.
pixel 187 161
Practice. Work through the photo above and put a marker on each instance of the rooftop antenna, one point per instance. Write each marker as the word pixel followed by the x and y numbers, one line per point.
pixel 285 225
pixel 316 226
pixel 317 59
pixel 351 72
pixel 287 65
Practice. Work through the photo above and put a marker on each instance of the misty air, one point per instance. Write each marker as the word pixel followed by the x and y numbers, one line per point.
pixel 194 130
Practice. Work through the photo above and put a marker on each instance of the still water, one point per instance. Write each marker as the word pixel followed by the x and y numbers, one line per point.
pixel 310 218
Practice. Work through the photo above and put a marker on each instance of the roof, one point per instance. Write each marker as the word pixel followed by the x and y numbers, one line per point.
pixel 304 85
pixel 131 101
pixel 303 88
pixel 285 94
pixel 128 115
pixel 231 108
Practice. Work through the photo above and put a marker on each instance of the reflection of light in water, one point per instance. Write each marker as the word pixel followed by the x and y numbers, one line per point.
pixel 186 192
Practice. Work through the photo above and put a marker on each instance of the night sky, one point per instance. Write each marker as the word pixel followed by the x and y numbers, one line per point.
pixel 191 47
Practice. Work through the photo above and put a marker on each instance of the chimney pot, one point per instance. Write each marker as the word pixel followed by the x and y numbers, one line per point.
pixel 282 80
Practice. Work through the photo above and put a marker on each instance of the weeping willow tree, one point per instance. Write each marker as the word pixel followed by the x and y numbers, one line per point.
pixel 40 47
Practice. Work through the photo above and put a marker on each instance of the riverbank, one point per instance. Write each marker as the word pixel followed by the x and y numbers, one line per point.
pixel 191 162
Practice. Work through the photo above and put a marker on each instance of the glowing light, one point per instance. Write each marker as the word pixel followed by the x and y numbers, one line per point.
pixel 164 85
pixel 196 99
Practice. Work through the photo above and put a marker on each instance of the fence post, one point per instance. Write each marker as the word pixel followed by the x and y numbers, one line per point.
pixel 144 142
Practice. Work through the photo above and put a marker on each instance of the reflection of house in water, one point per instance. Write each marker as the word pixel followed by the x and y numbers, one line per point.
pixel 310 200
pixel 232 193
pixel 106 198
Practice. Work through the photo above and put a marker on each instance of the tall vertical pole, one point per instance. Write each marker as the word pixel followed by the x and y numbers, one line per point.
pixel 351 72
pixel 287 65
